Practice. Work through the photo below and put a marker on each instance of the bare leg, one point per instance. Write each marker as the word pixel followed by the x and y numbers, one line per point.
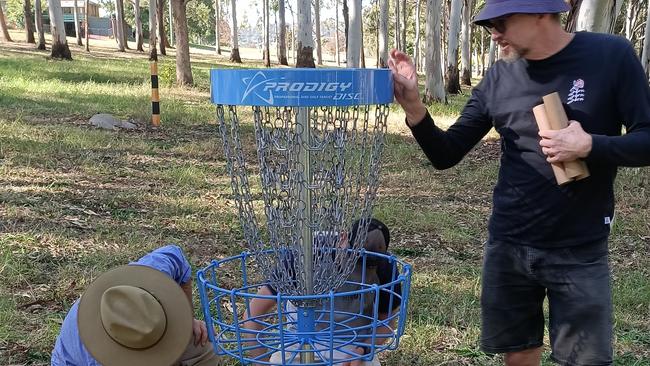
pixel 529 357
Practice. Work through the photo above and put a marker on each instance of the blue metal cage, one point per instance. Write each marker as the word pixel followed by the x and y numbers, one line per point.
pixel 328 329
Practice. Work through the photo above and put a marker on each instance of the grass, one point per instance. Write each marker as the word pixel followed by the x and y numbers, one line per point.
pixel 75 201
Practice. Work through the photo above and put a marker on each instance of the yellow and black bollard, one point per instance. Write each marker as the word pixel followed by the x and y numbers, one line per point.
pixel 155 97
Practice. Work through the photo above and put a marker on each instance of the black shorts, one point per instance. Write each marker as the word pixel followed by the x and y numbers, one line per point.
pixel 517 278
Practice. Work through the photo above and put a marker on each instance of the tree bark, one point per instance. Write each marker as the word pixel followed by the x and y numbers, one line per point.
pixel 38 16
pixel 77 26
pixel 319 44
pixel 183 65
pixel 60 49
pixel 383 33
pixel 29 23
pixel 234 47
pixel 139 38
pixel 217 18
pixel 434 90
pixel 267 47
pixel 452 82
pixel 305 56
pixel 282 54
pixel 402 31
pixel 598 15
pixel 398 27
pixel 153 19
pixel 160 14
pixel 465 46
pixel 354 37
pixel 3 26
pixel 492 55
pixel 346 25
pixel 645 54
pixel 416 46
pixel 119 21
pixel 86 20
pixel 336 34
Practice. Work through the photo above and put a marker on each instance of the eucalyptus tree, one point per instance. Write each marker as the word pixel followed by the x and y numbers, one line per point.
pixel 86 33
pixel 234 46
pixel 119 25
pixel 354 37
pixel 60 49
pixel 3 26
pixel 305 48
pixel 29 24
pixel 383 33
pixel 38 17
pixel 183 65
pixel 465 44
pixel 451 71
pixel 266 46
pixel 319 44
pixel 153 26
pixel 139 38
pixel 217 19
pixel 77 26
pixel 645 54
pixel 282 42
pixel 598 15
pixel 416 45
pixel 434 90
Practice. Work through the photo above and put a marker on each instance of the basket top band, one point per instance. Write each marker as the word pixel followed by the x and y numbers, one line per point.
pixel 301 87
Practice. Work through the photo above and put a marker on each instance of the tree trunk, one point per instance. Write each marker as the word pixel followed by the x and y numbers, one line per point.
pixel 267 47
pixel 160 14
pixel 3 25
pixel 572 16
pixel 434 90
pixel 60 49
pixel 183 66
pixel 38 16
pixel 598 15
pixel 139 38
pixel 402 31
pixel 125 29
pixel 354 36
pixel 319 48
pixel 171 26
pixel 492 56
pixel 119 21
pixel 234 47
pixel 217 18
pixel 153 19
pixel 305 56
pixel 282 54
pixel 29 23
pixel 465 46
pixel 362 49
pixel 336 34
pixel 77 26
pixel 383 33
pixel 398 39
pixel 645 55
pixel 346 26
pixel 86 20
pixel 452 82
pixel 416 46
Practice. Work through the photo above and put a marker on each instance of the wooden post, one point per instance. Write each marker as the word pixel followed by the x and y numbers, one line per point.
pixel 155 97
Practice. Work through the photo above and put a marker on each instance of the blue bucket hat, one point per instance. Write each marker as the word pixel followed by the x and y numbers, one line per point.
pixel 497 8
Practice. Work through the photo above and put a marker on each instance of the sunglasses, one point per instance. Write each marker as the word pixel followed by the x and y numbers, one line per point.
pixel 496 24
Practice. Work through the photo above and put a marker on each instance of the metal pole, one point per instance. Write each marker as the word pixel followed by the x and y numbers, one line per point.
pixel 302 121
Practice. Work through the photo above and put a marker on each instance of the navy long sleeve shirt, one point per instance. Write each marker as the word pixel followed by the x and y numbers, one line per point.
pixel 602 85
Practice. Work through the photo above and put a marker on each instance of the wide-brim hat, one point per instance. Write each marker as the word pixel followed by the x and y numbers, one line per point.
pixel 177 328
pixel 498 8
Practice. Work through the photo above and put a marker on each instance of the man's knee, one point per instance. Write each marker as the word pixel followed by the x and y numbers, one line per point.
pixel 528 357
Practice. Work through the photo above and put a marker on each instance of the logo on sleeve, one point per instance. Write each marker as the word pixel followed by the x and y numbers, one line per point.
pixel 577 92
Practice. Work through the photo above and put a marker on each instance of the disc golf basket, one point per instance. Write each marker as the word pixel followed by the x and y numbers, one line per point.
pixel 312 170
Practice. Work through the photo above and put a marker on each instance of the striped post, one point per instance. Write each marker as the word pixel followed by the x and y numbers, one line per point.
pixel 155 97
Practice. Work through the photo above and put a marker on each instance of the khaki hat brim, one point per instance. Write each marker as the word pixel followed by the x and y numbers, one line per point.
pixel 170 295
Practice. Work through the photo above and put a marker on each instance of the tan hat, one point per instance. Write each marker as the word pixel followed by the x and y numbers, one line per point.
pixel 135 315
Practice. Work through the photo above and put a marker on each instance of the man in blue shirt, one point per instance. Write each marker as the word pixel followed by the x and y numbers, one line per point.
pixel 137 314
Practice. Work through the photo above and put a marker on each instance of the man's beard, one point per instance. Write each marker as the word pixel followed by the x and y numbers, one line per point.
pixel 511 55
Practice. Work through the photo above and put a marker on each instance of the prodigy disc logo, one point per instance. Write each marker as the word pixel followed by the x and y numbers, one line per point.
pixel 270 89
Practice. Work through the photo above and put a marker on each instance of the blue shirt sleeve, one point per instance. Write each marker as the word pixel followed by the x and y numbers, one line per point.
pixel 169 260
